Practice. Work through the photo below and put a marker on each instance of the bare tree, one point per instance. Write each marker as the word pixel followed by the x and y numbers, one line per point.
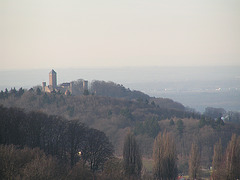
pixel 194 161
pixel 132 161
pixel 232 160
pixel 217 159
pixel 76 138
pixel 97 149
pixel 165 157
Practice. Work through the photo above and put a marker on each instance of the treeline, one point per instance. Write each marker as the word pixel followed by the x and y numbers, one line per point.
pixel 35 99
pixel 111 89
pixel 68 141
pixel 220 113
pixel 32 163
pixel 12 92
pixel 226 165
pixel 205 133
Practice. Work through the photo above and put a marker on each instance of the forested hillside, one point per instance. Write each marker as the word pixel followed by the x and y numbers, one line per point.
pixel 55 135
pixel 67 141
pixel 111 89
pixel 146 118
pixel 111 115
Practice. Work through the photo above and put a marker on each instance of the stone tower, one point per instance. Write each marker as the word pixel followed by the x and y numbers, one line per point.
pixel 43 86
pixel 71 87
pixel 53 79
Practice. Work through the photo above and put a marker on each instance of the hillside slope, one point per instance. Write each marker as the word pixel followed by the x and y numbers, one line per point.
pixel 111 89
pixel 116 116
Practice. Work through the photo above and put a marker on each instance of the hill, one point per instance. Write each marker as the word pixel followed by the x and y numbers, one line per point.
pixel 146 118
pixel 111 89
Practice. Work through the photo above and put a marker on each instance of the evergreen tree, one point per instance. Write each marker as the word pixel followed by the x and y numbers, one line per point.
pixel 194 161
pixel 20 92
pixel 6 93
pixel 171 123
pixel 13 91
pixel 1 95
pixel 180 127
pixel 38 91
pixel 131 157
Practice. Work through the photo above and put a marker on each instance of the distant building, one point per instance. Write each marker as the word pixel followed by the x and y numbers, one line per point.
pixel 43 85
pixel 45 88
pixel 52 82
pixel 53 79
pixel 65 88
pixel 65 85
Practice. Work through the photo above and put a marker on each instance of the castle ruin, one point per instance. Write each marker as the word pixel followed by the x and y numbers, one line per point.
pixel 66 88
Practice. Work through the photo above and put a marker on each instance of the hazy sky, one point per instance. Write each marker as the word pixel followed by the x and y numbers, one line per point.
pixel 117 33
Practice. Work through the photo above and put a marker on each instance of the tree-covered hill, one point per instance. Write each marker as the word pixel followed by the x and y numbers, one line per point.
pixel 111 115
pixel 146 118
pixel 111 89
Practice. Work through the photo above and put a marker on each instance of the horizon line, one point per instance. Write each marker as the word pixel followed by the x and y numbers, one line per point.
pixel 121 67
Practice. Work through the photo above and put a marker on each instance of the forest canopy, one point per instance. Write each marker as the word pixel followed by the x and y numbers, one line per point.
pixel 69 141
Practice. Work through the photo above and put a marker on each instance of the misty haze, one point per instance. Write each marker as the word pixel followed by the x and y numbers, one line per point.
pixel 120 90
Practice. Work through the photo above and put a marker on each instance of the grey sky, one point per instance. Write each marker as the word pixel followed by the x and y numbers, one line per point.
pixel 111 33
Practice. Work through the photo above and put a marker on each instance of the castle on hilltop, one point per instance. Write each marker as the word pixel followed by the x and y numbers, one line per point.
pixel 66 88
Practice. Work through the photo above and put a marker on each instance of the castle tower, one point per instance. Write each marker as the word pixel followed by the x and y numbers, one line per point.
pixel 43 85
pixel 53 79
pixel 71 87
